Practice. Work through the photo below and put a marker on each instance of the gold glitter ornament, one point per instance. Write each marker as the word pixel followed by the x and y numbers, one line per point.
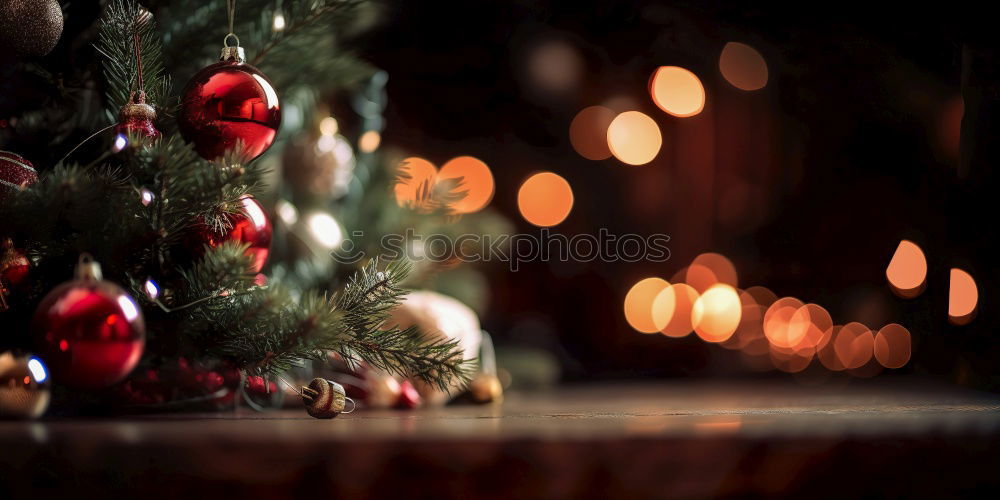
pixel 30 28
pixel 325 398
pixel 24 386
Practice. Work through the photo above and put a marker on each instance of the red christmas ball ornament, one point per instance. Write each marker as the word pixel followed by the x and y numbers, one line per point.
pixel 15 173
pixel 259 385
pixel 89 330
pixel 409 398
pixel 229 107
pixel 14 267
pixel 136 118
pixel 251 225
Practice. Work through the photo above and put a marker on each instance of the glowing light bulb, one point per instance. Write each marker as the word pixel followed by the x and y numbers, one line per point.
pixel 279 22
pixel 146 197
pixel 417 178
pixel 129 307
pixel 369 141
pixel 907 271
pixel 588 132
pixel 639 304
pixel 677 91
pixel 152 291
pixel 328 126
pixel 716 313
pixel 325 229
pixel 634 138
pixel 476 181
pixel 672 310
pixel 121 141
pixel 287 212
pixel 743 67
pixel 892 346
pixel 545 199
pixel 963 297
pixel 37 369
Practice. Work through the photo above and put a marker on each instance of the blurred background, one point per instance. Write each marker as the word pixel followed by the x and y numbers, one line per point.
pixel 802 146
pixel 826 178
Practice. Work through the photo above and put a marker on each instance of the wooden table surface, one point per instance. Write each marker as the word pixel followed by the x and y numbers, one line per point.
pixel 677 439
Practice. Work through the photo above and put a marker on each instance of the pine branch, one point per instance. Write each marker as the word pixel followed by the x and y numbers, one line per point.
pixel 365 305
pixel 407 353
pixel 222 269
pixel 266 330
pixel 122 21
pixel 301 18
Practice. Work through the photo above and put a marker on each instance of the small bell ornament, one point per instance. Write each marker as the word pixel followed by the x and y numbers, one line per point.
pixel 229 107
pixel 89 330
pixel 325 398
pixel 136 118
pixel 485 387
pixel 24 386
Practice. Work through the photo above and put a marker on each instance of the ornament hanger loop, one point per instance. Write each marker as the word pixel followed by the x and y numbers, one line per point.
pixel 354 406
pixel 87 268
pixel 225 41
pixel 232 53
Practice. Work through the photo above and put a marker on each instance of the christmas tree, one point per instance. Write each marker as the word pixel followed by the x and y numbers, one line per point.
pixel 160 188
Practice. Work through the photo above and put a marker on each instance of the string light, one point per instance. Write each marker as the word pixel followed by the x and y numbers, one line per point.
pixel 417 177
pixel 152 290
pixel 588 132
pixel 369 141
pixel 472 176
pixel 672 309
pixel 963 297
pixel 907 271
pixel 545 199
pixel 328 126
pixel 279 19
pixel 634 138
pixel 743 67
pixel 716 313
pixel 677 91
pixel 770 333
pixel 325 229
pixel 146 197
pixel 121 141
pixel 639 304
pixel 892 346
pixel 287 212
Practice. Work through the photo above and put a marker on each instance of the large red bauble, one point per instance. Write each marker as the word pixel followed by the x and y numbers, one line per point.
pixel 250 226
pixel 15 173
pixel 229 107
pixel 89 331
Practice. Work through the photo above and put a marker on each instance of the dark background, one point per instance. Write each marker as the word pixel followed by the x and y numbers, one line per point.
pixel 852 146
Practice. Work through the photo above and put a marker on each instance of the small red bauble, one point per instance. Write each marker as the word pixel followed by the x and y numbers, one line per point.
pixel 409 398
pixel 15 173
pixel 14 267
pixel 229 106
pixel 250 226
pixel 89 330
pixel 259 385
